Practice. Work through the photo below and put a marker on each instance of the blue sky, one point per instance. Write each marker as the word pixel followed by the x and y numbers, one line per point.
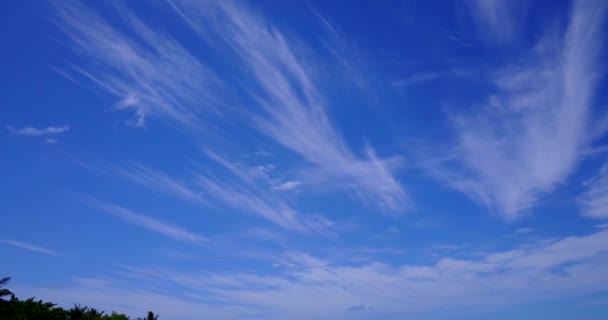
pixel 307 160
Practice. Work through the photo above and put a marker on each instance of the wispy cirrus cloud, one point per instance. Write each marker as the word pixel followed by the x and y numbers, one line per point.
pixel 294 112
pixel 271 209
pixel 495 19
pixel 156 180
pixel 145 70
pixel 30 247
pixel 36 132
pixel 146 177
pixel 424 77
pixel 532 132
pixel 303 286
pixel 250 193
pixel 559 267
pixel 152 73
pixel 288 185
pixel 152 224
pixel 253 193
pixel 594 200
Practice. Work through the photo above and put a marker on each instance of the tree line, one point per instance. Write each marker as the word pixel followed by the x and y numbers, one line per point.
pixel 30 309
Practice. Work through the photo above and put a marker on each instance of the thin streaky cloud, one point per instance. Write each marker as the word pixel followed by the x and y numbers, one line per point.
pixel 269 151
pixel 30 247
pixel 425 77
pixel 246 173
pixel 311 287
pixel 248 195
pixel 293 110
pixel 34 132
pixel 152 224
pixel 287 185
pixel 163 78
pixel 62 73
pixel 532 133
pixel 264 204
pixel 144 176
pixel 593 202
pixel 254 176
pixel 254 193
pixel 156 180
pixel 495 19
pixel 146 71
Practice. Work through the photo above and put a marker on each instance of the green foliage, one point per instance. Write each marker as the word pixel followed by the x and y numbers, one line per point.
pixel 3 291
pixel 150 316
pixel 15 309
pixel 30 310
pixel 116 316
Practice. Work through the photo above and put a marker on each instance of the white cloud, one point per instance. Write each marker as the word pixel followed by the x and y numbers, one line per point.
pixel 533 131
pixel 153 74
pixel 558 267
pixel 294 111
pixel 33 132
pixel 302 286
pixel 594 201
pixel 253 192
pixel 156 180
pixel 264 153
pixel 495 19
pixel 423 77
pixel 287 185
pixel 147 177
pixel 393 230
pixel 145 70
pixel 265 205
pixel 248 174
pixel 165 229
pixel 30 247
pixel 132 101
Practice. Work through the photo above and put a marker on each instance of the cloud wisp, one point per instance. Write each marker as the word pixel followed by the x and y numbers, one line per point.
pixel 531 134
pixel 594 200
pixel 302 286
pixel 294 112
pixel 165 229
pixel 495 19
pixel 30 247
pixel 559 267
pixel 158 181
pixel 146 71
pixel 424 77
pixel 153 74
pixel 253 192
pixel 37 132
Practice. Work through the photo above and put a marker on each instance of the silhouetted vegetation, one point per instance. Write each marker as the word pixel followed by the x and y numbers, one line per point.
pixel 3 291
pixel 30 309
